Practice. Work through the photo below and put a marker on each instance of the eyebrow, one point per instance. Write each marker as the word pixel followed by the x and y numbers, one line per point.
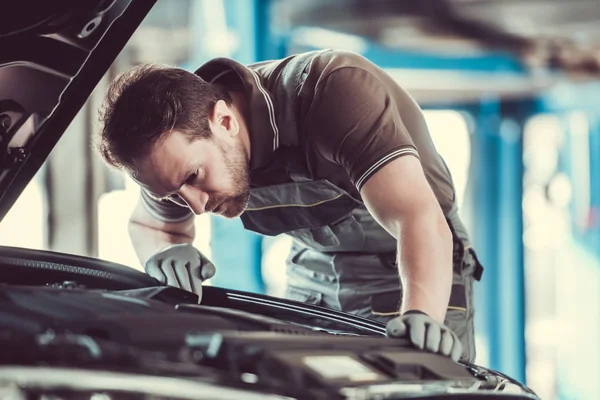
pixel 166 197
pixel 155 196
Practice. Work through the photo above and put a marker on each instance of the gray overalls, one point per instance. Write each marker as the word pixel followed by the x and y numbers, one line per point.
pixel 341 257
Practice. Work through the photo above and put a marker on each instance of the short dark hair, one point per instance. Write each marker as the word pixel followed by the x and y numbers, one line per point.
pixel 145 103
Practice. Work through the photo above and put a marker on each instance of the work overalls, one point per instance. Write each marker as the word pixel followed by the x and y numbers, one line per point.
pixel 341 257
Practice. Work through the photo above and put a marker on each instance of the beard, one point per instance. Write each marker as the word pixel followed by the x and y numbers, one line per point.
pixel 233 204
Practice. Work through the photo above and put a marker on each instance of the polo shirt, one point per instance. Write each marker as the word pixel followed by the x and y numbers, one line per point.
pixel 350 116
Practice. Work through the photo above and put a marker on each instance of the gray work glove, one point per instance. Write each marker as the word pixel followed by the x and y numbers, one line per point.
pixel 425 333
pixel 182 266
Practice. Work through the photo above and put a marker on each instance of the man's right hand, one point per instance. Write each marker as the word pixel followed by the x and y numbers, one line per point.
pixel 182 266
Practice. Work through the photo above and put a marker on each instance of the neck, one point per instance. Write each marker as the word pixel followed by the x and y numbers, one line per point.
pixel 240 109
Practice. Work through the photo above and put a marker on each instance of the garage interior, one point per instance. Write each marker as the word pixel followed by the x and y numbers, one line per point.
pixel 511 94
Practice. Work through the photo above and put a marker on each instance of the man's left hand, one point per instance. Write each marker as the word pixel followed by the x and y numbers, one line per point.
pixel 425 333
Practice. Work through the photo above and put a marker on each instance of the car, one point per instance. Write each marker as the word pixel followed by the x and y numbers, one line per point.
pixel 74 327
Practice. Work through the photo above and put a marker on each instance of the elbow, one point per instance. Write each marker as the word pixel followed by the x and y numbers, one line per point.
pixel 427 219
pixel 133 222
pixel 133 228
pixel 441 228
pixel 444 228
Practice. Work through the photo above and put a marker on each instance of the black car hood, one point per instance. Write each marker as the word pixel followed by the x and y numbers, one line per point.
pixel 52 56
pixel 72 326
pixel 159 342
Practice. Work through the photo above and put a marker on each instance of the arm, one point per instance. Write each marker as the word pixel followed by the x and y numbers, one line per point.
pixel 358 114
pixel 366 135
pixel 408 210
pixel 149 235
pixel 362 111
pixel 165 248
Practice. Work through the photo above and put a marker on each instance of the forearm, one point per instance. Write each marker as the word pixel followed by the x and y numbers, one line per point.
pixel 425 263
pixel 147 240
pixel 149 234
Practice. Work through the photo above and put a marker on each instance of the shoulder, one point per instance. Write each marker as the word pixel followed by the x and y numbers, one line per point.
pixel 345 78
pixel 338 71
pixel 329 61
pixel 342 58
pixel 315 65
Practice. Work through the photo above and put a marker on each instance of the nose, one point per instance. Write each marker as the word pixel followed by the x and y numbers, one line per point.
pixel 195 198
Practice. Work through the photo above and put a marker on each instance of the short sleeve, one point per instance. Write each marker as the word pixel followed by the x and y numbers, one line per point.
pixel 164 210
pixel 354 121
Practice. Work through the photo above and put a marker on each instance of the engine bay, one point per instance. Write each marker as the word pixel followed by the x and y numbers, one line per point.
pixel 52 334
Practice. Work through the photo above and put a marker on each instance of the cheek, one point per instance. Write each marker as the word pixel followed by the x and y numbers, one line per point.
pixel 218 178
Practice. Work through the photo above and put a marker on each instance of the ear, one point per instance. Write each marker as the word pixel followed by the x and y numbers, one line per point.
pixel 223 120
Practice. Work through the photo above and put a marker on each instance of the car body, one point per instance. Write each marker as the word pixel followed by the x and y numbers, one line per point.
pixel 76 327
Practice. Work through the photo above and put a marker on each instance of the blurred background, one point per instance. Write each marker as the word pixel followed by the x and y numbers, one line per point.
pixel 511 93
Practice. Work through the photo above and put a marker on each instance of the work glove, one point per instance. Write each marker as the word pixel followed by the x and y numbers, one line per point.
pixel 182 266
pixel 425 333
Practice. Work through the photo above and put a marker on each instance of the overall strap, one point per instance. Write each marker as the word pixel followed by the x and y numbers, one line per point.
pixel 291 153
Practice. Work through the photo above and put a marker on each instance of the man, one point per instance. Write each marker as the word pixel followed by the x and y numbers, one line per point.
pixel 323 146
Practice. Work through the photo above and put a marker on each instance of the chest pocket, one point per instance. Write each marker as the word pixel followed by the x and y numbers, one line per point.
pixel 317 213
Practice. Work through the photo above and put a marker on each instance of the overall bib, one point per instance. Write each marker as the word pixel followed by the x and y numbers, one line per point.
pixel 341 258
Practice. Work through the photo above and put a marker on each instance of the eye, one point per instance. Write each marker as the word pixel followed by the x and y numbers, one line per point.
pixel 192 178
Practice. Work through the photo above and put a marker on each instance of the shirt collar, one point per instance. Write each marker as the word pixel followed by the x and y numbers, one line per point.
pixel 262 126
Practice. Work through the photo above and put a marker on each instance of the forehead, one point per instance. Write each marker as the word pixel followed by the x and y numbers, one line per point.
pixel 167 151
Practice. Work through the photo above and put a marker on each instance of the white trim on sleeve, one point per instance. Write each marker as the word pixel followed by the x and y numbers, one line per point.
pixel 397 153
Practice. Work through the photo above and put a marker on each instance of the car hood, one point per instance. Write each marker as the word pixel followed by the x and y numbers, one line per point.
pixel 53 56
pixel 159 343
pixel 75 327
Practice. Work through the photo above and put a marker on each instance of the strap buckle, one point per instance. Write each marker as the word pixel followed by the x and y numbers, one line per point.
pixel 478 273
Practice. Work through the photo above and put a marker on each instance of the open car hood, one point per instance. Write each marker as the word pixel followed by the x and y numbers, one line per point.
pixel 53 55
pixel 74 327
pixel 64 341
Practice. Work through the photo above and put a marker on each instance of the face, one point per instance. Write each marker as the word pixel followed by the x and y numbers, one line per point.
pixel 208 175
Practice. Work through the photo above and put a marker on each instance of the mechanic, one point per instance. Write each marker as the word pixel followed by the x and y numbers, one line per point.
pixel 323 146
